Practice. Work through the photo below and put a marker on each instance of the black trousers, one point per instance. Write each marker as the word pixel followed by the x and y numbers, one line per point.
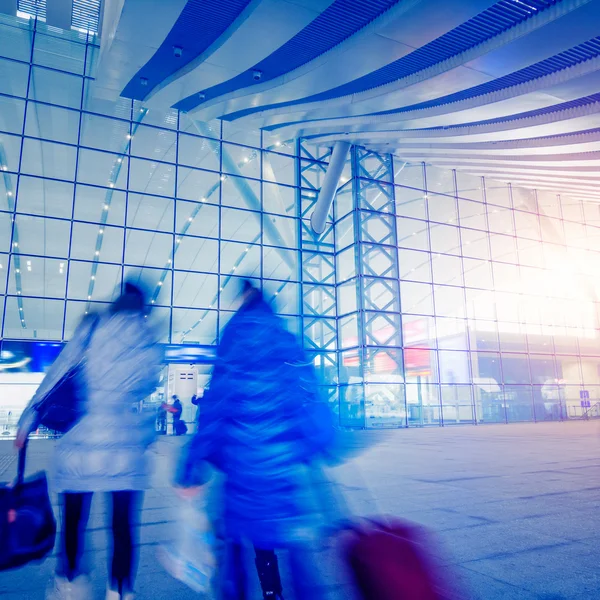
pixel 267 568
pixel 75 516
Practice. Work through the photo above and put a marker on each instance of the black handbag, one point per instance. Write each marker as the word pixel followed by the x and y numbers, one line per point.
pixel 64 405
pixel 27 524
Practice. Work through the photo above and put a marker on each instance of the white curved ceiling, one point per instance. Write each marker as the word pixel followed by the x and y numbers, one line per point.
pixel 509 88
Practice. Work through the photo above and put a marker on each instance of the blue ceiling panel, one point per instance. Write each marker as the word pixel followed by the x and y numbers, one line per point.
pixel 491 22
pixel 335 24
pixel 199 25
pixel 564 60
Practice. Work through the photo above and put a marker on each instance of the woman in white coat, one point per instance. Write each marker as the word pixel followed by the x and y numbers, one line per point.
pixel 106 450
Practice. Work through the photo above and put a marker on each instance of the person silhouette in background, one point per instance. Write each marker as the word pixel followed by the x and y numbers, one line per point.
pixel 105 451
pixel 260 428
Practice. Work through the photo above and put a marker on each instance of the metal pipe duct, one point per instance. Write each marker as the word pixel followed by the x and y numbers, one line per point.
pixel 329 187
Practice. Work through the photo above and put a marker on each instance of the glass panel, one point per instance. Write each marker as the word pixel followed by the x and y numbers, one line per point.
pixel 472 214
pixel 416 298
pixel 198 290
pixel 504 248
pixel 97 242
pixel 150 212
pixel 240 259
pixel 154 143
pixel 13 77
pixel 5 232
pixel 45 197
pixel 15 41
pixel 147 248
pixel 500 220
pixel 91 205
pixel 241 193
pixel 279 199
pixel 195 185
pixel 384 405
pixel 232 132
pixel 423 404
pixel 478 274
pixel 412 234
pixel 56 53
pixel 280 264
pixel 37 277
pixel 52 123
pixel 55 88
pixel 44 237
pixel 101 168
pixel 497 193
pixel 240 160
pixel 451 333
pixel 409 174
pixel 411 203
pixel 152 177
pixel 346 264
pixel 444 238
pixel 194 326
pixel 279 168
pixel 197 219
pixel 105 134
pixel 457 404
pixel 39 319
pixel 3 274
pixel 344 233
pixel 47 159
pixel 515 368
pixel 346 297
pixel 94 281
pixel 283 296
pixel 518 400
pixel 449 301
pixel 440 180
pixel 447 269
pixel 414 266
pixel 196 254
pixel 442 208
pixel 469 186
pixel 348 331
pixel 240 225
pixel 475 244
pixel 12 112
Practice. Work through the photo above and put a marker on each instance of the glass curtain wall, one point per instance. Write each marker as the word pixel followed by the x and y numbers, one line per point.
pixel 496 319
pixel 93 192
pixel 431 298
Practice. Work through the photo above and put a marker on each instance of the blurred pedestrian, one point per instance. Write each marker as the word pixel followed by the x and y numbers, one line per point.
pixel 161 419
pixel 196 403
pixel 179 426
pixel 106 449
pixel 258 428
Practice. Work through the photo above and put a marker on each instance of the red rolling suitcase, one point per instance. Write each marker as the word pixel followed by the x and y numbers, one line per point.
pixel 393 561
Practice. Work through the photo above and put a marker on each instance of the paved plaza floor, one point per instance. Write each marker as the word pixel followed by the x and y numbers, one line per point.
pixel 516 508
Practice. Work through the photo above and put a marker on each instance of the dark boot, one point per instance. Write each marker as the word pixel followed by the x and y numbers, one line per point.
pixel 268 574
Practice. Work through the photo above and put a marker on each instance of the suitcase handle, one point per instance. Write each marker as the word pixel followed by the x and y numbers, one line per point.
pixel 21 465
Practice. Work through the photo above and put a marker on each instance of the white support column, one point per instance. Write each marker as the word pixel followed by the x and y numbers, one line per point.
pixel 330 186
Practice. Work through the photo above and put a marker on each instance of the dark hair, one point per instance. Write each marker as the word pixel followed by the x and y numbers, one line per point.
pixel 248 285
pixel 131 300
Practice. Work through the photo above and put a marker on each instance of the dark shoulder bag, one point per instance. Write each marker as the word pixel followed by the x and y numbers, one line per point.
pixel 27 524
pixel 64 405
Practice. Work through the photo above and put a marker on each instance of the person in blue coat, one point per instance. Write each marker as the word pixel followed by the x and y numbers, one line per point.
pixel 105 451
pixel 263 426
